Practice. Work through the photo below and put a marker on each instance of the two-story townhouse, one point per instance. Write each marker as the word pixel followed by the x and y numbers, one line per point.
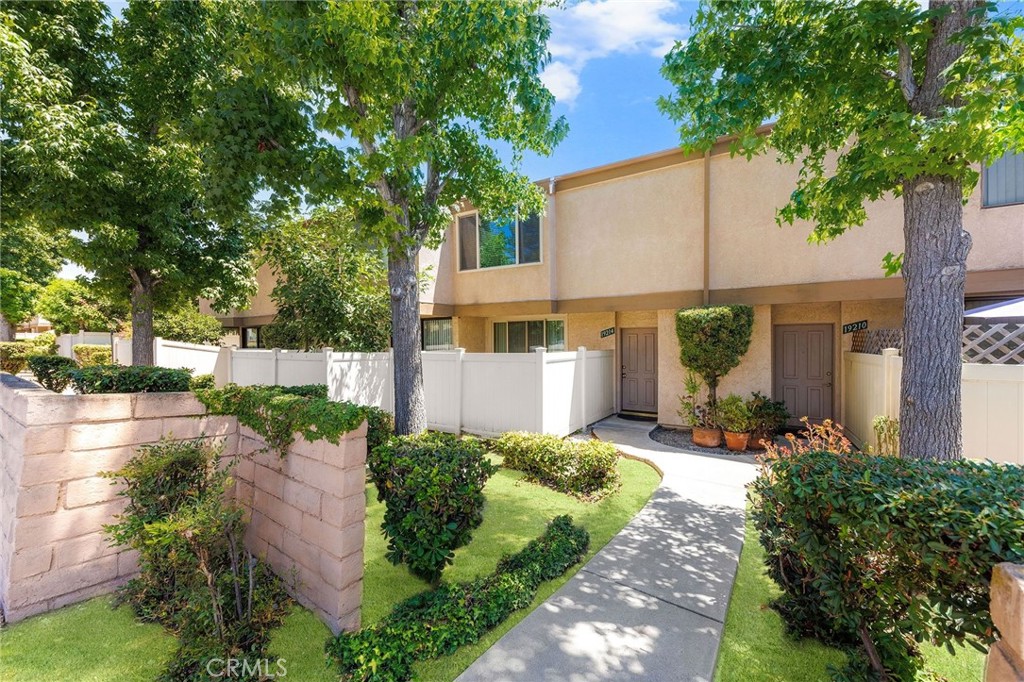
pixel 621 247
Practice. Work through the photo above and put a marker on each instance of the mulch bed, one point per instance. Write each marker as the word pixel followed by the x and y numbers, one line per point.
pixel 677 438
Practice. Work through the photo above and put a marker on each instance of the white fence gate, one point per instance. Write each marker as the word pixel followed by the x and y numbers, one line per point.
pixel 482 393
pixel 992 398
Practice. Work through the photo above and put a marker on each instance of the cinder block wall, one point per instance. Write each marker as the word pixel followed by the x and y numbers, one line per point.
pixel 54 504
pixel 307 513
pixel 1006 657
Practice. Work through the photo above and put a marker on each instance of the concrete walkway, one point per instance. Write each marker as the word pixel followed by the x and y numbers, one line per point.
pixel 651 604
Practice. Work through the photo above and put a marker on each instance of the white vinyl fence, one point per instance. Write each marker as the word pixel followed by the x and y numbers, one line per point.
pixel 201 359
pixel 482 393
pixel 66 342
pixel 992 402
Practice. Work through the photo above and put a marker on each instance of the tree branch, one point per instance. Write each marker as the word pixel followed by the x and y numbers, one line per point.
pixel 906 72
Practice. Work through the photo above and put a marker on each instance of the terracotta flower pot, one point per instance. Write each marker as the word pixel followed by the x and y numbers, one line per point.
pixel 759 440
pixel 737 442
pixel 707 438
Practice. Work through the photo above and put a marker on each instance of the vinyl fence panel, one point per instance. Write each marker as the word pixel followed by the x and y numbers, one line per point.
pixel 361 378
pixel 501 392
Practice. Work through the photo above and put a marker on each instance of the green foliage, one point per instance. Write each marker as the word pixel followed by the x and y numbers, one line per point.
pixel 195 577
pixel 694 408
pixel 433 486
pixel 134 379
pixel 19 299
pixel 438 622
pixel 713 340
pixel 43 344
pixel 380 427
pixel 185 323
pixel 331 286
pixel 91 354
pixel 51 371
pixel 767 416
pixel 584 468
pixel 887 551
pixel 202 381
pixel 14 356
pixel 887 435
pixel 831 77
pixel 72 305
pixel 277 413
pixel 733 414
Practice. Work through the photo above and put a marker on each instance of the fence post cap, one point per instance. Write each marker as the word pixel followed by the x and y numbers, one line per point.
pixel 890 351
pixel 540 349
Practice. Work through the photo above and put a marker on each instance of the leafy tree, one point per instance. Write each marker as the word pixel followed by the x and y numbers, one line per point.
pixel 185 323
pixel 713 340
pixel 414 95
pixel 870 98
pixel 131 172
pixel 71 305
pixel 332 289
pixel 29 258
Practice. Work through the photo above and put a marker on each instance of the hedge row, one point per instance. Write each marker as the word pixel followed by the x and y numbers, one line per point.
pixel 438 622
pixel 879 553
pixel 92 354
pixel 585 468
pixel 134 379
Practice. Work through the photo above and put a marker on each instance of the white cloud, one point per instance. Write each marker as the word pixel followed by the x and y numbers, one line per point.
pixel 594 29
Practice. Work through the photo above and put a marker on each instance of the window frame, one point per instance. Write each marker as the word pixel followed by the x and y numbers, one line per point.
pixel 476 213
pixel 527 318
pixel 423 335
pixel 983 188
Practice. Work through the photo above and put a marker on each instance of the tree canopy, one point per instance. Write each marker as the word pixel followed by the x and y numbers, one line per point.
pixel 72 305
pixel 396 110
pixel 332 289
pixel 870 99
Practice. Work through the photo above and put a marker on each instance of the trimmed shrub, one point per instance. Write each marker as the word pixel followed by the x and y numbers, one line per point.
pixel 879 554
pixel 44 344
pixel 436 623
pixel 713 339
pixel 201 381
pixel 135 379
pixel 380 426
pixel 433 487
pixel 196 578
pixel 91 354
pixel 14 356
pixel 584 468
pixel 51 371
pixel 277 413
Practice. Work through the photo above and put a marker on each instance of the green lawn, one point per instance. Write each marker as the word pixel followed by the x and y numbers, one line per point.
pixel 93 642
pixel 756 648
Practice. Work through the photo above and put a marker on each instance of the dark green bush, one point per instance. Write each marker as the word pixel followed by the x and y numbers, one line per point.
pixel 134 379
pixel 92 354
pixel 380 427
pixel 14 356
pixel 51 371
pixel 438 622
pixel 879 553
pixel 195 577
pixel 585 468
pixel 713 339
pixel 433 487
pixel 279 412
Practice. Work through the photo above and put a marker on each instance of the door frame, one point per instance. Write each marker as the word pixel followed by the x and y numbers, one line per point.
pixel 619 347
pixel 834 370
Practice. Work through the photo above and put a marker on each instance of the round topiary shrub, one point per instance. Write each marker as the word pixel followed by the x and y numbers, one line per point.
pixel 713 340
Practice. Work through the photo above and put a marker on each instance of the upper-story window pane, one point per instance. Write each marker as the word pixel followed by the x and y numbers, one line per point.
pixel 1004 181
pixel 494 243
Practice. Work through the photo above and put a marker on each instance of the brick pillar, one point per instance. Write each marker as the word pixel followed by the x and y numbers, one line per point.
pixel 1006 657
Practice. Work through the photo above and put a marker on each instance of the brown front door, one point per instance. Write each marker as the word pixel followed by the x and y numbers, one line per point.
pixel 803 371
pixel 640 370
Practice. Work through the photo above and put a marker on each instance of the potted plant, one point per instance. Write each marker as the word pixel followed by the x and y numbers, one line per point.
pixel 699 414
pixel 767 416
pixel 734 418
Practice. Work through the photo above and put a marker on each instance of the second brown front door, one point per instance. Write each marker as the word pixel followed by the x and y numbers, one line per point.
pixel 640 370
pixel 802 370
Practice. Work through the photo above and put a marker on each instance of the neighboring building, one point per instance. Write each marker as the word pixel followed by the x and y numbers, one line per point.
pixel 621 247
pixel 37 324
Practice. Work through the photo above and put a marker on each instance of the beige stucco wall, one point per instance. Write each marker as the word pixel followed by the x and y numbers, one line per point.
pixel 470 333
pixel 261 304
pixel 635 235
pixel 584 329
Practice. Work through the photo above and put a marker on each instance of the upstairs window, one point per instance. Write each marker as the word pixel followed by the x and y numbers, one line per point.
pixel 1003 183
pixel 495 243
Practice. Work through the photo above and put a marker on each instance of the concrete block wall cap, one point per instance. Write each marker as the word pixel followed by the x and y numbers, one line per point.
pixel 68 409
pixel 181 404
pixel 1002 665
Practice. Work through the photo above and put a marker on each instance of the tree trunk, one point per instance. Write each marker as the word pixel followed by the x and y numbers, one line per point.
pixel 410 411
pixel 142 318
pixel 935 273
pixel 7 329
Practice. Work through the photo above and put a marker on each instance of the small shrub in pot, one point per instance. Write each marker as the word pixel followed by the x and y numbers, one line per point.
pixel 734 418
pixel 699 414
pixel 767 416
